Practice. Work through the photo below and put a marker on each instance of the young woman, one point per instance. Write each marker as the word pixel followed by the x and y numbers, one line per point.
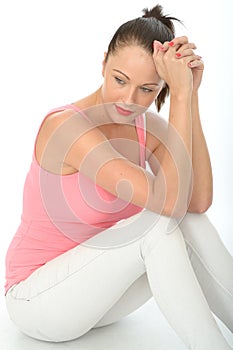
pixel 100 234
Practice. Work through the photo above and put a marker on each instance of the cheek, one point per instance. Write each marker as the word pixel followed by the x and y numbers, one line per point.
pixel 109 92
pixel 151 98
pixel 148 99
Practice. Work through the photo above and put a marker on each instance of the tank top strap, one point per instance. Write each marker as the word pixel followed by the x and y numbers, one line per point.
pixel 140 123
pixel 68 106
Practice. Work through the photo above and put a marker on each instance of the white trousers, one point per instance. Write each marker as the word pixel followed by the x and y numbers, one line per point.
pixel 188 272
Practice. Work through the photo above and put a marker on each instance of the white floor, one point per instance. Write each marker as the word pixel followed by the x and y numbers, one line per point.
pixel 146 328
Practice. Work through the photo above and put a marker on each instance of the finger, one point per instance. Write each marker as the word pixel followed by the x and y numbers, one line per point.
pixel 186 53
pixel 165 46
pixel 195 63
pixel 192 60
pixel 188 46
pixel 178 44
pixel 178 41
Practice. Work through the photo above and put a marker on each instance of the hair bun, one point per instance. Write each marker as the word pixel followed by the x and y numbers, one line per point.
pixel 157 13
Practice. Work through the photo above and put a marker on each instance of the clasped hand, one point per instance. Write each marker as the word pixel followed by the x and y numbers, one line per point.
pixel 178 65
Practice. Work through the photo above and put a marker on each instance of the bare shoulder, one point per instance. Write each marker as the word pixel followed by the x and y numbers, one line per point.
pixel 55 119
pixel 60 130
pixel 50 123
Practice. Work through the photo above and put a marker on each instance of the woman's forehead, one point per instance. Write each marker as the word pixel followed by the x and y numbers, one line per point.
pixel 133 60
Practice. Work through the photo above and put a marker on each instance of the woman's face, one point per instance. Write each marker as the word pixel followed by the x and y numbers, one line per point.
pixel 131 83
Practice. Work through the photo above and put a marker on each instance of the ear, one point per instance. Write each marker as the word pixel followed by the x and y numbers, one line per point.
pixel 104 63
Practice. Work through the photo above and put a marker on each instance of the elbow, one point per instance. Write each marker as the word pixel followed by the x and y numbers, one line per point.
pixel 201 207
pixel 175 211
pixel 179 210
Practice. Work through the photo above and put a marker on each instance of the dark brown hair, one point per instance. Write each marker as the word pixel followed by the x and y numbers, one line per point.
pixel 142 31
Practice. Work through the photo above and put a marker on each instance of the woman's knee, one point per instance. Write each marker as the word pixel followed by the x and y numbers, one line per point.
pixel 160 229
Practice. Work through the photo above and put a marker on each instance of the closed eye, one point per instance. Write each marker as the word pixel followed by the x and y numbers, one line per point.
pixel 119 81
pixel 146 89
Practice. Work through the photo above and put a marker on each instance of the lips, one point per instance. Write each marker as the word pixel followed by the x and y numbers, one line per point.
pixel 123 111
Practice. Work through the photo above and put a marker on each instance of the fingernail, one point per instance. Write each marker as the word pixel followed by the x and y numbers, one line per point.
pixel 171 43
pixel 161 48
pixel 190 64
pixel 178 55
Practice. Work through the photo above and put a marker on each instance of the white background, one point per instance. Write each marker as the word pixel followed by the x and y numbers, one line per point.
pixel 51 54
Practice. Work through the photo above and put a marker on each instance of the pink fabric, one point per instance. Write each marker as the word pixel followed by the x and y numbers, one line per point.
pixel 60 212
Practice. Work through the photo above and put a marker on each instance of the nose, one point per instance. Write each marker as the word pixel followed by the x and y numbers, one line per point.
pixel 129 96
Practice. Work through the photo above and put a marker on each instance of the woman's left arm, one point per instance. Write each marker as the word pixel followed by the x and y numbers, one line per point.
pixel 202 192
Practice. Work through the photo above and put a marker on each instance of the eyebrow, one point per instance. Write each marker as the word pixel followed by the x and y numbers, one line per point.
pixel 117 70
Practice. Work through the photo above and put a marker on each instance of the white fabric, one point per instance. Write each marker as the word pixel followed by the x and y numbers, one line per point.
pixel 189 273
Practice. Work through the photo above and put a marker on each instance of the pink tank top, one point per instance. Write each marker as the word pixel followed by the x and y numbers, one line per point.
pixel 60 212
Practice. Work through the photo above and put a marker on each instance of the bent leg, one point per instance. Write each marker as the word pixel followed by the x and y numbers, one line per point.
pixel 212 263
pixel 66 297
pixel 176 289
pixel 70 294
